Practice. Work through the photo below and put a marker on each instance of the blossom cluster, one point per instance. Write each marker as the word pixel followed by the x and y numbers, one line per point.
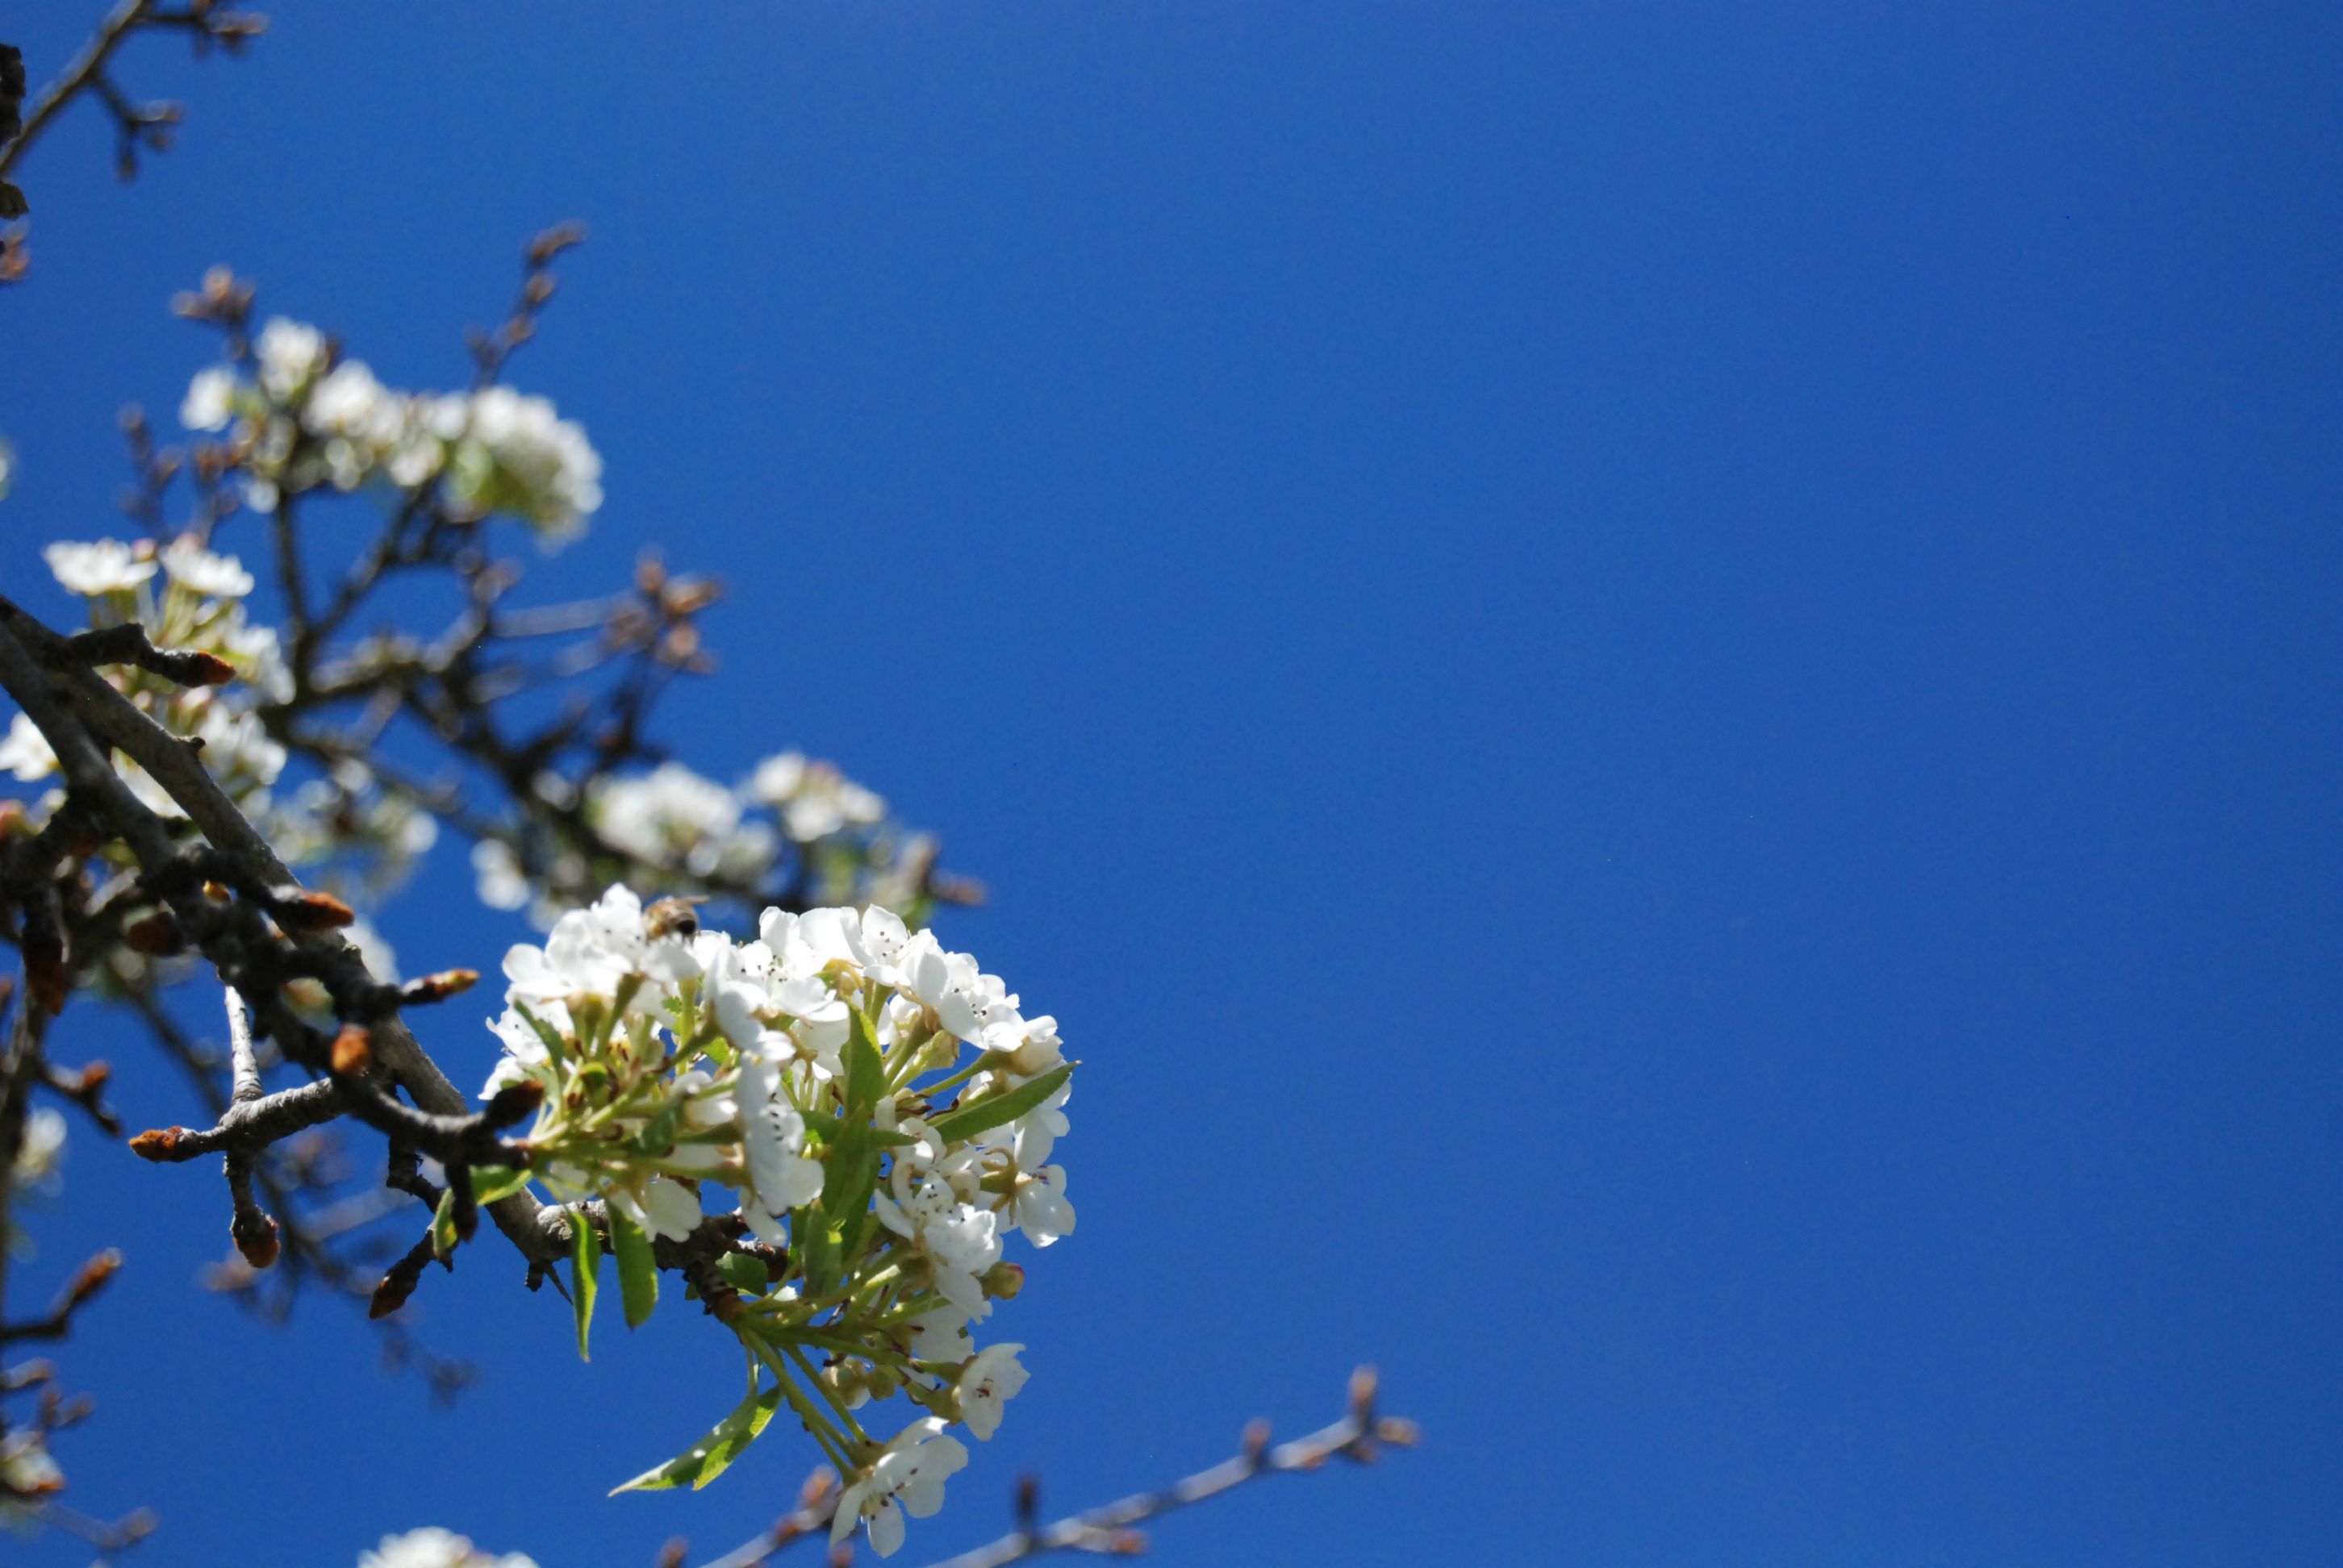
pixel 298 417
pixel 722 838
pixel 883 1110
pixel 437 1548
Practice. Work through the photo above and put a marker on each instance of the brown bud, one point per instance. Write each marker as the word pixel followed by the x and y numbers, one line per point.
pixel 1399 1432
pixel 157 935
pixel 554 241
pixel 211 669
pixel 390 1294
pixel 255 1234
pixel 352 1051
pixel 301 909
pixel 158 1143
pixel 93 1077
pixel 673 1553
pixel 439 987
pixel 92 1277
pixel 688 596
pixel 1362 1394
pixel 514 1102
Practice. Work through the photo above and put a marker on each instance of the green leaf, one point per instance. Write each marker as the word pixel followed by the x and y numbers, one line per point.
pixel 866 1071
pixel 968 1120
pixel 708 1458
pixel 657 1135
pixel 638 1272
pixel 546 1032
pixel 443 1226
pixel 494 1183
pixel 584 1266
pixel 817 1253
pixel 827 1129
pixel 743 1271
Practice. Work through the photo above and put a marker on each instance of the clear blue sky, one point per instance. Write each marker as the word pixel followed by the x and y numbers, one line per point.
pixel 1654 687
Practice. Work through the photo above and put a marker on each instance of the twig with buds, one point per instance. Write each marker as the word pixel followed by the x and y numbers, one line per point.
pixel 1359 1437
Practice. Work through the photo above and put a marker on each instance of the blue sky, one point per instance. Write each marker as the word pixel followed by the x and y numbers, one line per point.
pixel 1653 687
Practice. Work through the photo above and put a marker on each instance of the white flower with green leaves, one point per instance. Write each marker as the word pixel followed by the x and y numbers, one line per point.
pixel 855 1084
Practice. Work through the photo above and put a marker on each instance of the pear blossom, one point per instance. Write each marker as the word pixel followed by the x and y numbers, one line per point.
pixel 814 798
pixel 108 565
pixel 40 1148
pixel 1038 1207
pixel 906 1477
pixel 207 405
pixel 27 752
pixel 436 1548
pixel 773 1143
pixel 989 1382
pixel 200 571
pixel 792 1071
pixel 959 1240
pixel 290 354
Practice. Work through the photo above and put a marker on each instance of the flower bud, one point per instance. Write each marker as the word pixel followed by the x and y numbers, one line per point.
pixel 255 1234
pixel 157 935
pixel 1003 1280
pixel 158 1143
pixel 352 1051
pixel 441 986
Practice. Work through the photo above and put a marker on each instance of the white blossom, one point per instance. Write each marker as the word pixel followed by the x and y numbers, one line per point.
pixel 908 1477
pixel 436 1548
pixel 25 752
pixel 497 877
pixel 674 817
pixel 197 569
pixel 814 798
pixel 988 1382
pixel 106 567
pixel 290 354
pixel 207 406
pixel 773 1141
pixel 40 1147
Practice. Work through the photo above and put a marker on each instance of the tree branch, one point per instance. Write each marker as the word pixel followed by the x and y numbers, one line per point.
pixel 1359 1436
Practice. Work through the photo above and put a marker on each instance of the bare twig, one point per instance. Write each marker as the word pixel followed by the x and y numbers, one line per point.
pixel 1359 1436
pixel 86 72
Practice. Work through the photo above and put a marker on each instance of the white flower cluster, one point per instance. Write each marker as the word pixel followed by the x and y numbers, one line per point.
pixel 303 419
pixel 817 1071
pixel 687 826
pixel 436 1548
pixel 814 799
pixel 188 600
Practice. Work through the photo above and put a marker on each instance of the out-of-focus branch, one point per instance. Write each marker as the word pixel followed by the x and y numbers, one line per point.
pixel 86 1283
pixel 136 124
pixel 1359 1437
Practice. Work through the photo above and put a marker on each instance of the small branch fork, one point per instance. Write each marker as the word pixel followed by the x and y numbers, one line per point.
pixel 235 902
pixel 1360 1436
pixel 136 124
